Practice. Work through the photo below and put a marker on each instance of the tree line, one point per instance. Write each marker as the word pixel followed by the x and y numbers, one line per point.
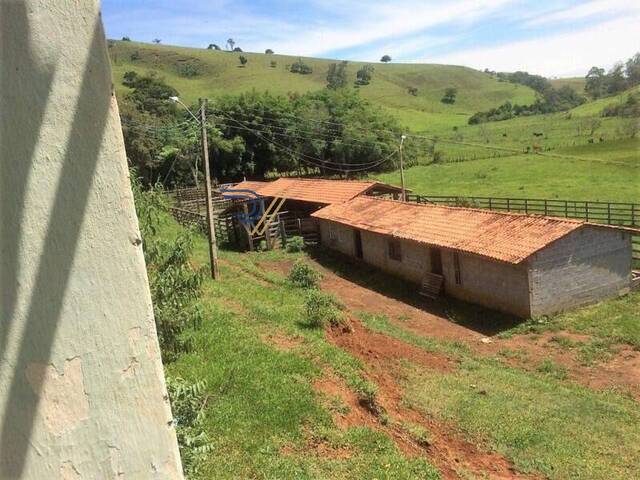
pixel 332 131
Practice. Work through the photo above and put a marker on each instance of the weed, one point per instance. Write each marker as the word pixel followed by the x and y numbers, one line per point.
pixel 564 342
pixel 304 276
pixel 295 244
pixel 418 433
pixel 549 367
pixel 320 309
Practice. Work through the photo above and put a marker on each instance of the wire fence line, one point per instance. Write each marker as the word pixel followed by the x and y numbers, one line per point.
pixel 609 213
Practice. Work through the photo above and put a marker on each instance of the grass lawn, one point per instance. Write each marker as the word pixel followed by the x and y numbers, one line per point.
pixel 267 421
pixel 264 416
pixel 529 176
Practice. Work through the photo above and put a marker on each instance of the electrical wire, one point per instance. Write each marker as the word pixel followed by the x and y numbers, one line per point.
pixel 312 160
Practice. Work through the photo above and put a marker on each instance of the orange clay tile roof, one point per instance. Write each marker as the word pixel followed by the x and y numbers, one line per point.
pixel 321 191
pixel 507 237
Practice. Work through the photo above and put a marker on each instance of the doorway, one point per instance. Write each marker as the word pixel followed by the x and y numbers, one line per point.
pixel 357 237
pixel 436 261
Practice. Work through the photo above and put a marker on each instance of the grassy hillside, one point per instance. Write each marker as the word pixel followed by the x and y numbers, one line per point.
pixel 577 83
pixel 220 73
pixel 283 396
pixel 583 157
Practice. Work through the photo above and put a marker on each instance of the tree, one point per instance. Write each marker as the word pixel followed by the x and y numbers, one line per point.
pixel 337 75
pixel 412 91
pixel 385 59
pixel 632 69
pixel 213 46
pixel 237 49
pixel 449 95
pixel 126 39
pixel 595 82
pixel 616 81
pixel 230 43
pixel 273 64
pixel 268 51
pixel 243 60
pixel 156 41
pixel 364 75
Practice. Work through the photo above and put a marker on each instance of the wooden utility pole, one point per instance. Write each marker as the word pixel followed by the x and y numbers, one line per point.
pixel 404 192
pixel 213 249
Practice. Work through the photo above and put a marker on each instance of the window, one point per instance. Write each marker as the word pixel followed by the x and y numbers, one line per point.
pixel 333 235
pixel 395 250
pixel 456 268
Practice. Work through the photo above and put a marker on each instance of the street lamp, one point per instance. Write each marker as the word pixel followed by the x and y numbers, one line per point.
pixel 177 100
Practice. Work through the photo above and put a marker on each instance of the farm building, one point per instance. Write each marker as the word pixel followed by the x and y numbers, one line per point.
pixel 520 264
pixel 306 195
pixel 287 203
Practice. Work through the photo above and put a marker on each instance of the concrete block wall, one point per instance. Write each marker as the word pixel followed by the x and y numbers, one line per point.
pixel 337 236
pixel 498 285
pixel 588 265
pixel 414 257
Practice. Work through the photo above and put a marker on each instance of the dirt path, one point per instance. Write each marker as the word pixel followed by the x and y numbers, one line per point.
pixel 382 355
pixel 621 370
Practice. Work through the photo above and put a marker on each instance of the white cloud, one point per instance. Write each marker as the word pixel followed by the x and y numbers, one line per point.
pixel 566 54
pixel 360 23
pixel 585 10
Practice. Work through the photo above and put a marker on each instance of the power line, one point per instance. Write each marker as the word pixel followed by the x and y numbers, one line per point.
pixel 312 160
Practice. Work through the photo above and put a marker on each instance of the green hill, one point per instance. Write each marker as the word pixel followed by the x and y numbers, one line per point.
pixel 200 72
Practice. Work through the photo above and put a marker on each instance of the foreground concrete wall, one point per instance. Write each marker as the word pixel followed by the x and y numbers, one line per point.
pixel 586 266
pixel 82 391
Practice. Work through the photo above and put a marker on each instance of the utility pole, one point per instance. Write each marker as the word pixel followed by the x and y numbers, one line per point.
pixel 404 192
pixel 213 249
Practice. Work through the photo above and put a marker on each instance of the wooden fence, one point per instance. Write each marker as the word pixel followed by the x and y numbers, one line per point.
pixel 224 225
pixel 610 213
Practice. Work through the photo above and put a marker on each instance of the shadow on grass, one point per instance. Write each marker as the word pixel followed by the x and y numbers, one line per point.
pixel 474 317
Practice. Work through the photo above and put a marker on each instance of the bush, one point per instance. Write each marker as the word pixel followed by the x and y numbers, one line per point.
pixel 295 244
pixel 304 276
pixel 188 70
pixel 187 405
pixel 321 308
pixel 135 55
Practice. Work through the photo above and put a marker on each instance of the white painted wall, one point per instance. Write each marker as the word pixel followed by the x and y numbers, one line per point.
pixel 82 391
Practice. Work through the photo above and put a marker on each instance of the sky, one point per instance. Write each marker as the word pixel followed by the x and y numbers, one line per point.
pixel 561 38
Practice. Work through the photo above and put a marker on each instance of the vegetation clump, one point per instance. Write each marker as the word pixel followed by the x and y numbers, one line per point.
pixel 295 244
pixel 321 309
pixel 188 402
pixel 630 108
pixel 364 75
pixel 300 67
pixel 304 276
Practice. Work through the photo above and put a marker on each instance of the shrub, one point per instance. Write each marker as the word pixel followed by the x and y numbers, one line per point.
pixel 320 308
pixel 135 55
pixel 304 276
pixel 412 91
pixel 295 244
pixel 188 70
pixel 273 64
pixel 187 405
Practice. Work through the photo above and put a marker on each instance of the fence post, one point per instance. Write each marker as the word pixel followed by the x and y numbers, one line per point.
pixel 586 210
pixel 283 234
pixel 566 209
pixel 545 207
pixel 508 204
pixel 526 206
pixel 609 213
pixel 633 214
pixel 490 205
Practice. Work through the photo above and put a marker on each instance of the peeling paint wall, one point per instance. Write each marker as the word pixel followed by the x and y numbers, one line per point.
pixel 82 391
